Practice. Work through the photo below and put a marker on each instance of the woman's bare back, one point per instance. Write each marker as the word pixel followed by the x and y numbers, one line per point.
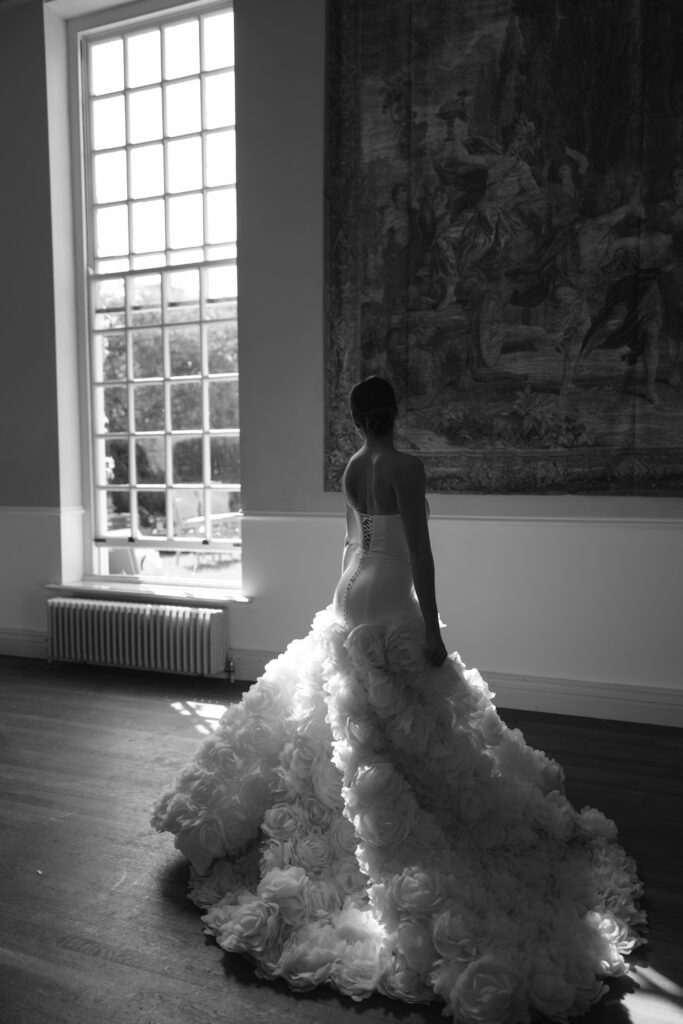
pixel 371 479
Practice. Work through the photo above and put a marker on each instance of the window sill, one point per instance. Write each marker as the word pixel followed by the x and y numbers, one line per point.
pixel 154 594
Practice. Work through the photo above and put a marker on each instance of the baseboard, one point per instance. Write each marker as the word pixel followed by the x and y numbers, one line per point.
pixel 22 643
pixel 647 704
pixel 650 705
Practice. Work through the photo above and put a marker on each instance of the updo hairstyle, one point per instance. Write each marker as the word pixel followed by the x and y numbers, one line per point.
pixel 373 404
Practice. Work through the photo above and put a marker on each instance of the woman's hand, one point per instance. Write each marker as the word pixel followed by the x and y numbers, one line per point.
pixel 435 649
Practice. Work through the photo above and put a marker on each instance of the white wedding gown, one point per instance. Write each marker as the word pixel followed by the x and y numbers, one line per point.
pixel 364 820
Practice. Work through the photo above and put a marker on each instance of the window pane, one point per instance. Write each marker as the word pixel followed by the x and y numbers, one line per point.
pixel 149 407
pixel 223 404
pixel 181 49
pixel 118 512
pixel 108 123
pixel 185 351
pixel 150 460
pixel 109 303
pixel 185 164
pixel 221 283
pixel 144 113
pixel 226 521
pixel 147 171
pixel 145 299
pixel 144 58
pixel 152 513
pixel 186 406
pixel 220 100
pixel 111 225
pixel 187 460
pixel 221 340
pixel 183 108
pixel 149 225
pixel 188 513
pixel 115 410
pixel 109 171
pixel 221 215
pixel 148 353
pixel 186 221
pixel 220 158
pixel 219 41
pixel 110 357
pixel 106 66
pixel 182 293
pixel 116 461
pixel 225 460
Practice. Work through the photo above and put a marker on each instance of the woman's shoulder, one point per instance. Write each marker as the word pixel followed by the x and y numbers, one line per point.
pixel 406 463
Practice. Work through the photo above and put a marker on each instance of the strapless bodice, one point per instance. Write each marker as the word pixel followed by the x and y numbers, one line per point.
pixel 376 585
pixel 380 534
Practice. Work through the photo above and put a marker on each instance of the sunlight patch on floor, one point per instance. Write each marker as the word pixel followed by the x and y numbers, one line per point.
pixel 205 716
pixel 658 997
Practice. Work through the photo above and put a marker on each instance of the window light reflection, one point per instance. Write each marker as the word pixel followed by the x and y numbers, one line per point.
pixel 205 716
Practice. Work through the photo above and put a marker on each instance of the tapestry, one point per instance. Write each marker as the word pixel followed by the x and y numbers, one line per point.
pixel 504 238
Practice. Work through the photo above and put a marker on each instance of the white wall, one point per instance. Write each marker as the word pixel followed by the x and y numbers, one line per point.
pixel 566 603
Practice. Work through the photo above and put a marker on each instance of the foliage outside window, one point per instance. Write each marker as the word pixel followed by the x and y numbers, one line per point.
pixel 159 145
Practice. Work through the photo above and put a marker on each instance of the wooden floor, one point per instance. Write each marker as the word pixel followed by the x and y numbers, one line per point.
pixel 95 927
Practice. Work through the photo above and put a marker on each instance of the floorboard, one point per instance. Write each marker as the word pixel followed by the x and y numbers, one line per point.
pixel 96 927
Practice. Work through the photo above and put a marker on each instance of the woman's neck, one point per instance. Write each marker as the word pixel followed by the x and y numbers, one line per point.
pixel 379 442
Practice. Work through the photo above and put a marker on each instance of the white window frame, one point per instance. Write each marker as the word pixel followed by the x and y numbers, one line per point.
pixel 113 20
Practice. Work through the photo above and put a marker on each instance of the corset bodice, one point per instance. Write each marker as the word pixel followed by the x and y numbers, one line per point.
pixel 376 585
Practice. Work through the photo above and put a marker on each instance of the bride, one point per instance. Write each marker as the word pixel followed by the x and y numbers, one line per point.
pixel 363 818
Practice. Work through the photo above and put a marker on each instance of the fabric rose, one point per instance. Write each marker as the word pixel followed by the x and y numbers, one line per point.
pixel 278 884
pixel 412 729
pixel 359 967
pixel 219 755
pixel 363 733
pixel 210 833
pixel 304 963
pixel 315 813
pixel 557 816
pixel 343 840
pixel 283 821
pixel 311 851
pixel 264 700
pixel 595 823
pixel 453 933
pixel 250 927
pixel 350 698
pixel 490 990
pixel 258 738
pixel 400 982
pixel 415 942
pixel 418 892
pixel 549 991
pixel 321 899
pixel 405 648
pixel 386 826
pixel 384 695
pixel 365 648
pixel 473 802
pixel 375 783
pixel 488 723
pixel 326 779
pixel 349 877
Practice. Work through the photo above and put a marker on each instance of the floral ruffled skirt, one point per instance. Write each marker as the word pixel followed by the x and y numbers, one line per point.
pixel 366 821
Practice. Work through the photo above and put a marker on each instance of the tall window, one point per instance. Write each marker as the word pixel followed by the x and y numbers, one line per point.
pixel 161 237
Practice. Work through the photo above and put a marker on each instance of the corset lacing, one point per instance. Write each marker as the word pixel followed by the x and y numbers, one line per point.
pixel 367 525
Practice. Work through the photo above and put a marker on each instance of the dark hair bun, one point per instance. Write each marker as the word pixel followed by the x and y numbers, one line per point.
pixel 373 403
